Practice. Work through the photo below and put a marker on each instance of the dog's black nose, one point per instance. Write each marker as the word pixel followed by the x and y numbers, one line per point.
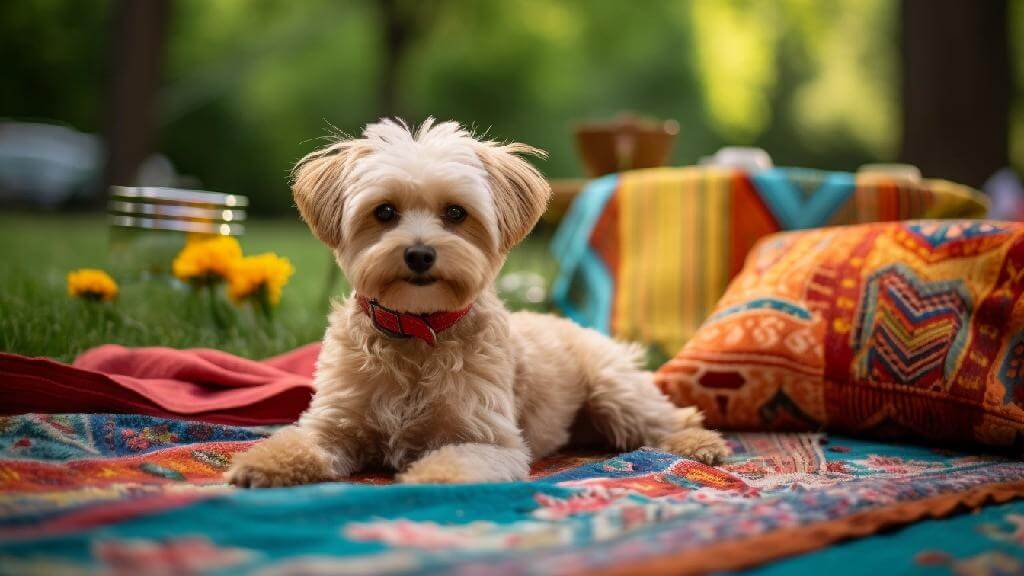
pixel 420 257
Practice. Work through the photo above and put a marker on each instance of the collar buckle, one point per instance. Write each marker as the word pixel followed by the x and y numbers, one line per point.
pixel 375 307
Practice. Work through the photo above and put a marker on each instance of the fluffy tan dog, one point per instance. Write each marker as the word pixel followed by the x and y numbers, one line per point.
pixel 423 369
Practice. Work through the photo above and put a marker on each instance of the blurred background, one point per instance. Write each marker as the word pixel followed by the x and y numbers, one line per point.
pixel 225 96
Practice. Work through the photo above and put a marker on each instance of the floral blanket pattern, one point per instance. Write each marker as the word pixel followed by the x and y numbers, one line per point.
pixel 127 494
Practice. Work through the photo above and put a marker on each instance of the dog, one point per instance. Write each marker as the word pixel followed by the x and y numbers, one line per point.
pixel 422 368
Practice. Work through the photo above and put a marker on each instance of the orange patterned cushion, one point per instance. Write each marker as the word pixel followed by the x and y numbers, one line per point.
pixel 905 329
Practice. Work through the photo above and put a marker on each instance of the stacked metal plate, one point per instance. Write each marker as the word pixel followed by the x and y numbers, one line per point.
pixel 149 225
pixel 151 208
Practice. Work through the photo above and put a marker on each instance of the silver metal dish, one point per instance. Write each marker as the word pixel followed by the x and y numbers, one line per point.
pixel 150 225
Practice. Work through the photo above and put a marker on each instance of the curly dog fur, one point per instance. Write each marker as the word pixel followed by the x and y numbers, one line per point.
pixel 498 389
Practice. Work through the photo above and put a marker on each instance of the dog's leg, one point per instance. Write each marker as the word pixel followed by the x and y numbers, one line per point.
pixel 301 454
pixel 288 457
pixel 469 462
pixel 626 406
pixel 697 442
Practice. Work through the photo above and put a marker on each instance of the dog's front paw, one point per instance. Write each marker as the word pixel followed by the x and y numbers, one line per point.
pixel 439 468
pixel 252 476
pixel 468 463
pixel 285 459
pixel 700 444
pixel 433 476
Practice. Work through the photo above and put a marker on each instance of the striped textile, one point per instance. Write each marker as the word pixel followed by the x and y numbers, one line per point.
pixel 646 254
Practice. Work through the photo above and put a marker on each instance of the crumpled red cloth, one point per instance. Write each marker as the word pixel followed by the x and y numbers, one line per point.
pixel 198 384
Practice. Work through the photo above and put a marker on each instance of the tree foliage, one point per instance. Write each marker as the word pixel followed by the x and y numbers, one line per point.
pixel 250 86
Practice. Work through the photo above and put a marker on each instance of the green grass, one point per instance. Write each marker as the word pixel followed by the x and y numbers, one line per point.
pixel 38 319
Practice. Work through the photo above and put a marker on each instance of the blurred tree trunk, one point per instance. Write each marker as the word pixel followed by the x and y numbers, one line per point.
pixel 138 31
pixel 956 88
pixel 402 23
pixel 397 34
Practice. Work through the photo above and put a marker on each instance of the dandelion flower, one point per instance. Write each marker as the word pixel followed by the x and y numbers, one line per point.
pixel 91 284
pixel 207 261
pixel 259 276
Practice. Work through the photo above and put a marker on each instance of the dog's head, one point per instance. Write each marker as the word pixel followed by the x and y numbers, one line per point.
pixel 420 220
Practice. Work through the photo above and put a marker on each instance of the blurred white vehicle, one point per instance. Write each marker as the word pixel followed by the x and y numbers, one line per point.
pixel 46 165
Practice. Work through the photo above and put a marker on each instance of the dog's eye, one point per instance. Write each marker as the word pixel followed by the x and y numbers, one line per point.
pixel 385 213
pixel 455 214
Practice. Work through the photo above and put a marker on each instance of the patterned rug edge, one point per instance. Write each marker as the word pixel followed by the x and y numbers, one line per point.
pixel 758 550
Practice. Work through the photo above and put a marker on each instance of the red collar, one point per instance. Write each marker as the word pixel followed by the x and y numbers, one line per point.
pixel 396 324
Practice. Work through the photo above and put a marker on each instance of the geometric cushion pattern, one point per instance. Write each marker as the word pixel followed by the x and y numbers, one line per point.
pixel 905 329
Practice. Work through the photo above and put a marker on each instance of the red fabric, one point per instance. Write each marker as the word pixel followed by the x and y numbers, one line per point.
pixel 200 384
pixel 405 324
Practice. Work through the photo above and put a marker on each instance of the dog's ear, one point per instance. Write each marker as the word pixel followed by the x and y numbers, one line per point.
pixel 520 192
pixel 318 186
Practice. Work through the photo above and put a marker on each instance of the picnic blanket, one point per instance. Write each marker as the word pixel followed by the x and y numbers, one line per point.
pixel 989 542
pixel 132 494
pixel 199 383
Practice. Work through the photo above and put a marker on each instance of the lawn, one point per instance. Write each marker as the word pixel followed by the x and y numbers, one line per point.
pixel 38 319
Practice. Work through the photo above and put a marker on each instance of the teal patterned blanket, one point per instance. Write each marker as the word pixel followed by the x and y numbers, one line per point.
pixel 989 542
pixel 128 494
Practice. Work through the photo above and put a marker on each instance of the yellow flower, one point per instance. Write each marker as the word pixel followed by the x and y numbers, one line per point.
pixel 205 261
pixel 264 274
pixel 91 284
